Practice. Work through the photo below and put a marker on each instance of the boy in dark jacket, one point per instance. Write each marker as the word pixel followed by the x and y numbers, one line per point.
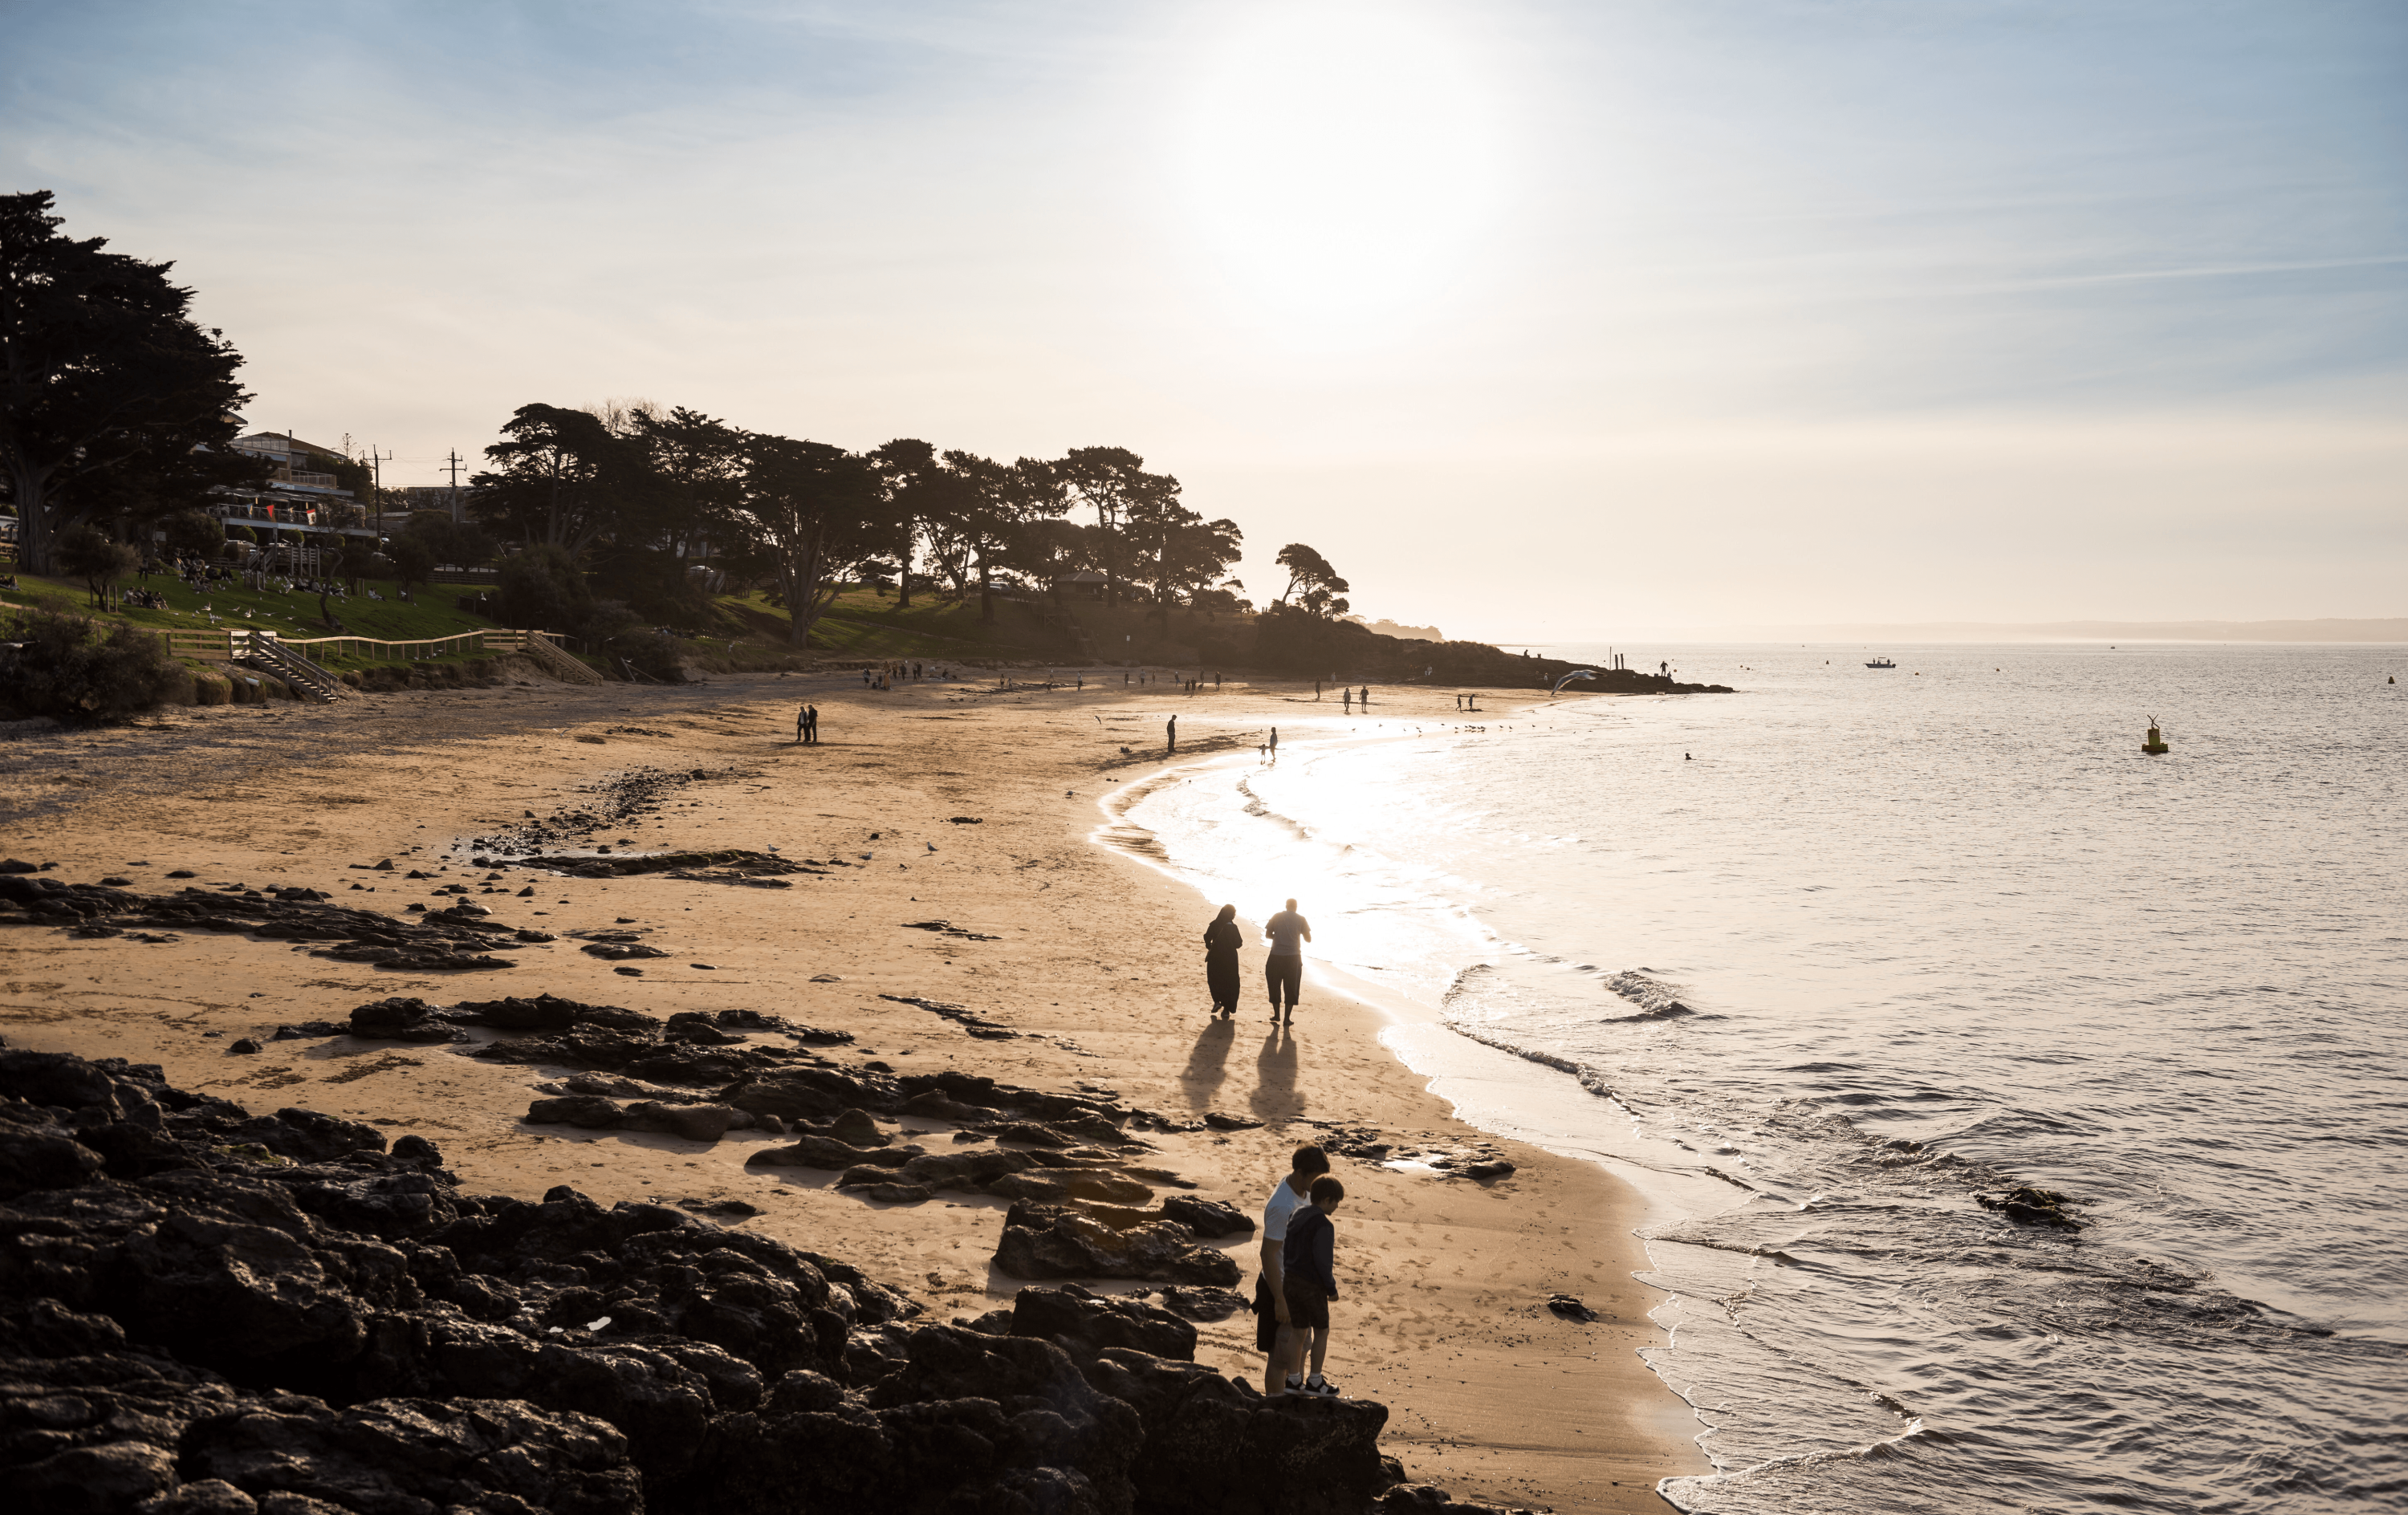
pixel 1307 1277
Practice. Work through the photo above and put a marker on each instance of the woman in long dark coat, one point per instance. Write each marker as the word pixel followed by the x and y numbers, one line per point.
pixel 1221 942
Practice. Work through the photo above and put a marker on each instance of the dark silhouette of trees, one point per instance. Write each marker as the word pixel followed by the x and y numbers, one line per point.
pixel 1311 582
pixel 818 513
pixel 995 508
pixel 563 478
pixel 107 387
pixel 85 551
pixel 1108 480
pixel 412 557
pixel 915 495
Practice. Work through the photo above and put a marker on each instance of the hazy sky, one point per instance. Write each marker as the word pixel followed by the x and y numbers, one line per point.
pixel 1543 321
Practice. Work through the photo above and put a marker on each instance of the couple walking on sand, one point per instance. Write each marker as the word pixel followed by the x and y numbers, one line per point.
pixel 1297 1281
pixel 1282 971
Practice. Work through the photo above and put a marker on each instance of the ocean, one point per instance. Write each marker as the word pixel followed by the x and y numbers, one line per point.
pixel 1821 965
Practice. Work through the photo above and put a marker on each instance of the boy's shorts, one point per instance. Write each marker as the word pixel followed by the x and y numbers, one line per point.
pixel 1307 1307
pixel 1265 1317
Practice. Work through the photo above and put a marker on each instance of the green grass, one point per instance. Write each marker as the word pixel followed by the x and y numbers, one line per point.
pixel 430 613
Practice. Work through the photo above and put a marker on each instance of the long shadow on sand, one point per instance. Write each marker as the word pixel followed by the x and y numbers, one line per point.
pixel 1208 1065
pixel 1275 1092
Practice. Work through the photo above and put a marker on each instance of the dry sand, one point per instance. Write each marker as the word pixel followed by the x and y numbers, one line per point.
pixel 1096 964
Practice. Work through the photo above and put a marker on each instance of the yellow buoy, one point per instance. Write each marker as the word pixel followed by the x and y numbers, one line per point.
pixel 2155 744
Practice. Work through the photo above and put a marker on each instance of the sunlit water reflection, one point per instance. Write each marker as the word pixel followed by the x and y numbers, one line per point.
pixel 1866 944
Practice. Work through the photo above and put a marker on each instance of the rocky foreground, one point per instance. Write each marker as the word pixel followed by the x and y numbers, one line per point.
pixel 204 1310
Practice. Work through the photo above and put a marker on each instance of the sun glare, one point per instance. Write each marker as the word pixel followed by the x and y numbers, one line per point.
pixel 1343 163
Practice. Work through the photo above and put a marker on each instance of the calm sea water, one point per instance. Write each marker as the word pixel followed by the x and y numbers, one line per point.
pixel 1819 963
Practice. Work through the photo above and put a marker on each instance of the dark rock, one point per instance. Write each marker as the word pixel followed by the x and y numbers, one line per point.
pixel 244 1046
pixel 310 1031
pixel 815 1152
pixel 1570 1307
pixel 1213 1445
pixel 892 1193
pixel 397 1455
pixel 858 1129
pixel 588 1110
pixel 1219 1121
pixel 694 1026
pixel 695 1123
pixel 404 1020
pixel 1084 1323
pixel 1202 1304
pixel 1042 1241
pixel 1496 1168
pixel 1206 1218
pixel 2033 1206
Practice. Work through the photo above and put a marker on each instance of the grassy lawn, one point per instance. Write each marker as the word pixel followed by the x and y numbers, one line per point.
pixel 430 613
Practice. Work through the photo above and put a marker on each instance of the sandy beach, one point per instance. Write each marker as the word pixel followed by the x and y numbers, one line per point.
pixel 1088 954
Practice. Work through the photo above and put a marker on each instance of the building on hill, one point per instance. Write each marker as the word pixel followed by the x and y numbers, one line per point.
pixel 303 493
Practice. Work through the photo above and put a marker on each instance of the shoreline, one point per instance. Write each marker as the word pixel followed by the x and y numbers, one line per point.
pixel 1484 1386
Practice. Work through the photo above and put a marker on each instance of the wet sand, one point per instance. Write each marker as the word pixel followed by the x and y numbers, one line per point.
pixel 1095 963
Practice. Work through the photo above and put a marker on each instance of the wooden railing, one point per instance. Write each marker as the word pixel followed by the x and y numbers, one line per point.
pixel 235 642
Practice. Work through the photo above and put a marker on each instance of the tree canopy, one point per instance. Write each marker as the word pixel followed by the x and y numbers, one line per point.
pixel 113 401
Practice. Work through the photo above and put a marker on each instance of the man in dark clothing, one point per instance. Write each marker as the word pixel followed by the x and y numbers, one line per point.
pixel 1307 1276
pixel 1283 969
pixel 811 724
pixel 1171 740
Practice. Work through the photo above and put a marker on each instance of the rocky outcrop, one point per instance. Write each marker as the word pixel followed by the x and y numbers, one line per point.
pixel 1049 1241
pixel 203 1311
pixel 440 941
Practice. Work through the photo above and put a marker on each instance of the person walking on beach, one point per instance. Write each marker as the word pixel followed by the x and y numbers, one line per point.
pixel 802 723
pixel 1171 740
pixel 1308 1278
pixel 1275 1334
pixel 1284 970
pixel 1349 695
pixel 1222 940
pixel 811 724
pixel 1274 744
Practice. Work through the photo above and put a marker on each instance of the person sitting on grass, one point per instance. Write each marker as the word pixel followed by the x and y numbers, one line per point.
pixel 1308 1278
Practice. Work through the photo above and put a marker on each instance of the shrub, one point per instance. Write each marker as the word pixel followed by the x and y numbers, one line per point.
pixel 541 587
pixel 196 532
pixel 87 552
pixel 80 673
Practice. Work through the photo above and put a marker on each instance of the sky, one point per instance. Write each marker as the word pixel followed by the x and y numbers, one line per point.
pixel 1543 321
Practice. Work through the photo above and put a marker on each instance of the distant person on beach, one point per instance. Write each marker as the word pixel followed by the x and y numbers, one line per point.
pixel 802 723
pixel 1350 701
pixel 1308 1276
pixel 1274 1332
pixel 811 724
pixel 1284 971
pixel 1222 940
pixel 1274 744
pixel 1172 737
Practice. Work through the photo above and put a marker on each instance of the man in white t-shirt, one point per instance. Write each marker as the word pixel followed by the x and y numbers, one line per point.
pixel 1285 934
pixel 1275 1334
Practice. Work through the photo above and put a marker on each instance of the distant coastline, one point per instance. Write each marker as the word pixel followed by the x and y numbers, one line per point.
pixel 2388 629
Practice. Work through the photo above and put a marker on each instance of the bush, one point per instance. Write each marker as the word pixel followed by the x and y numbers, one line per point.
pixel 87 552
pixel 542 588
pixel 196 532
pixel 80 673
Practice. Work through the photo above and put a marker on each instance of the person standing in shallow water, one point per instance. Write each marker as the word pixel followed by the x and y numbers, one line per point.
pixel 1284 970
pixel 1222 940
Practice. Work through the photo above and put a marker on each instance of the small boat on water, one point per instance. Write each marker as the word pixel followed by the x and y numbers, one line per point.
pixel 1881 663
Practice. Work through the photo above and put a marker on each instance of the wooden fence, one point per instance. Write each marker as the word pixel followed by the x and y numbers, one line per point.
pixel 232 642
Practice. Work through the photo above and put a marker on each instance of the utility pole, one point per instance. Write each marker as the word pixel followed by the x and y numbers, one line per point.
pixel 452 463
pixel 376 465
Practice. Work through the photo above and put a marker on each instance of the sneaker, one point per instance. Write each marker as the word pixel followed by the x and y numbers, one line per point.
pixel 1319 1385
